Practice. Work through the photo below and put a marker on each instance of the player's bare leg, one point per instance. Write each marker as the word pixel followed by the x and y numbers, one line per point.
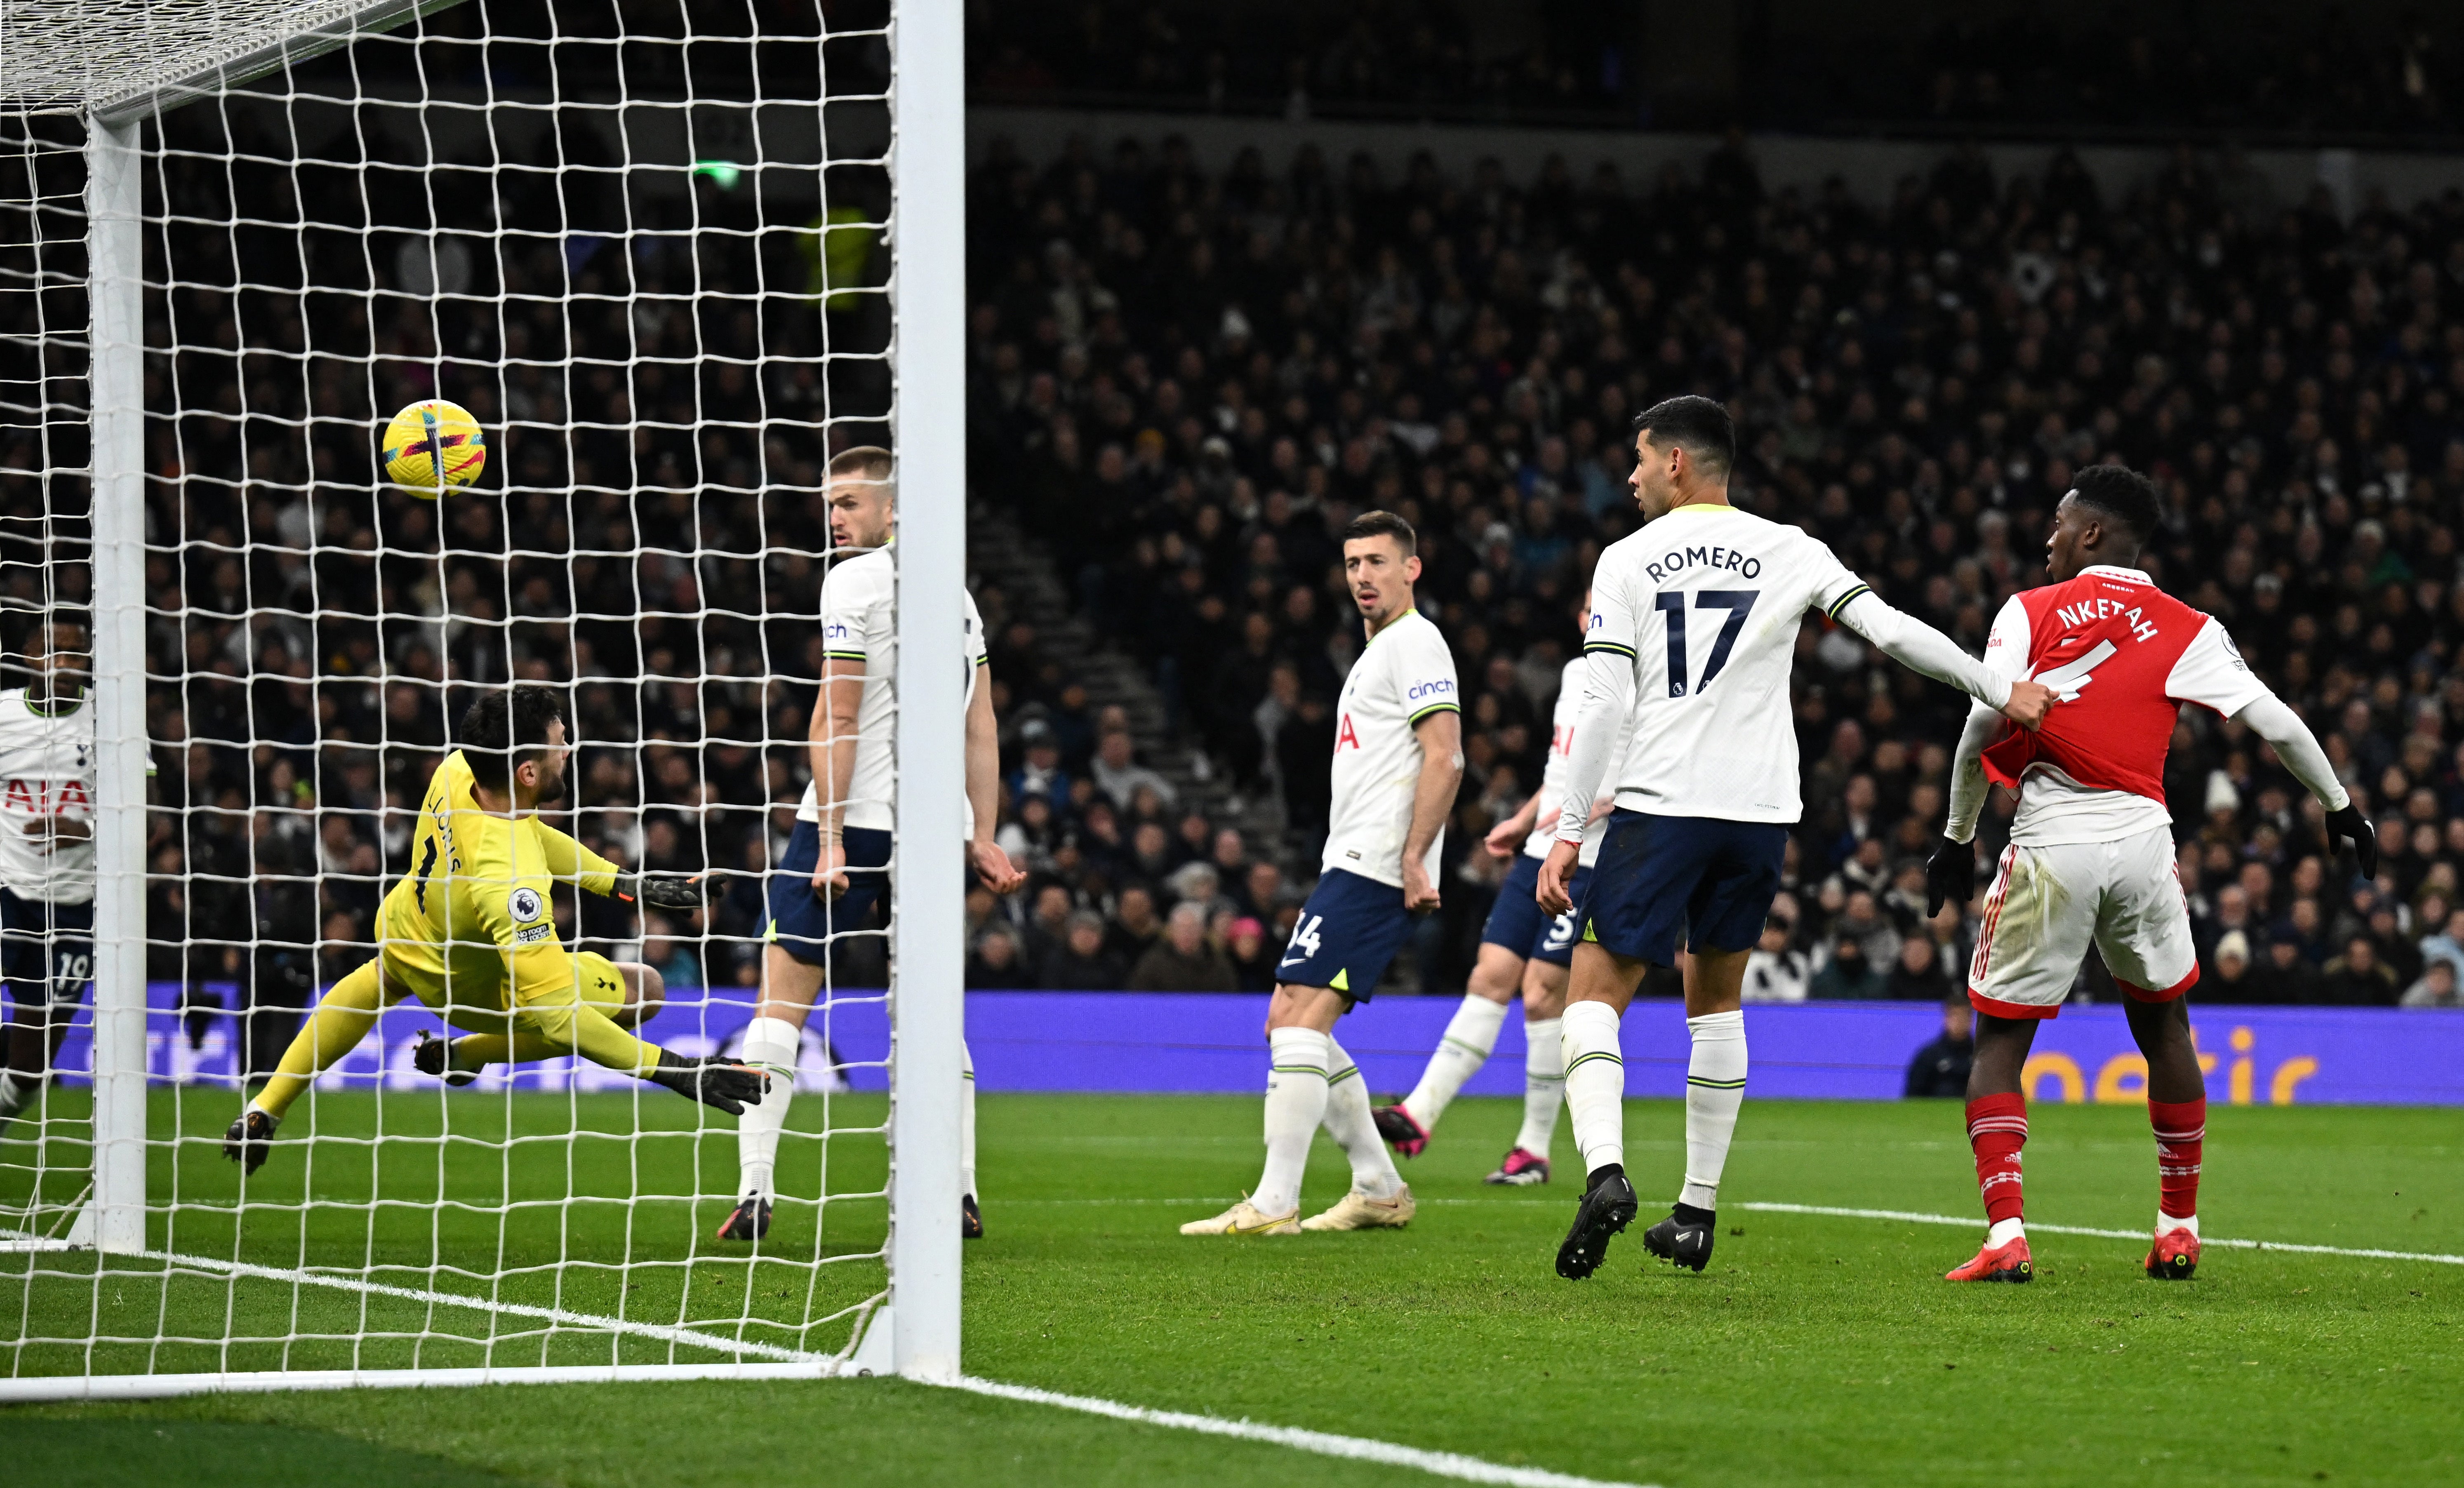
pixel 2177 1108
pixel 1997 1128
pixel 1469 1039
pixel 1715 1090
pixel 1600 986
pixel 1544 1074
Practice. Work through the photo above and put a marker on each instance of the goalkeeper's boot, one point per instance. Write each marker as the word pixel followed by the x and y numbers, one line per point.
pixel 2174 1256
pixel 434 1057
pixel 1399 1128
pixel 1244 1219
pixel 249 1141
pixel 1608 1206
pixel 2008 1261
pixel 748 1221
pixel 1684 1236
pixel 1522 1169
pixel 715 1081
pixel 971 1219
pixel 1357 1211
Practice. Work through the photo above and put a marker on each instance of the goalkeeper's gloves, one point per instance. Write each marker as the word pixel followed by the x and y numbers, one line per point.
pixel 667 891
pixel 711 1080
pixel 2351 823
pixel 1950 875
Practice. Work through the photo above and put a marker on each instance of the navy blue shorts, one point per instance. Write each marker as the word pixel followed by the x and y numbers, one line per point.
pixel 1347 933
pixel 1696 883
pixel 802 922
pixel 1518 923
pixel 46 950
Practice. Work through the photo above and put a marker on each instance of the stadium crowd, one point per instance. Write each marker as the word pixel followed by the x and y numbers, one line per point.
pixel 1186 381
pixel 1183 384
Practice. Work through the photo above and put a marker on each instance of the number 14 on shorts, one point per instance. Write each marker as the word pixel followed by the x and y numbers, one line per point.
pixel 1304 943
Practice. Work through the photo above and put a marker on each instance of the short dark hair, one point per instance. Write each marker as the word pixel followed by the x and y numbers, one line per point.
pixel 1698 425
pixel 2123 495
pixel 506 727
pixel 1383 524
pixel 870 461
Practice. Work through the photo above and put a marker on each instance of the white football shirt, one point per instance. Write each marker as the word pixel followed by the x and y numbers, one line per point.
pixel 46 770
pixel 1406 674
pixel 1553 774
pixel 860 623
pixel 1704 603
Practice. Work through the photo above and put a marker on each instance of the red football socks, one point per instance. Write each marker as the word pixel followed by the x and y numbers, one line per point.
pixel 1997 1127
pixel 2181 1133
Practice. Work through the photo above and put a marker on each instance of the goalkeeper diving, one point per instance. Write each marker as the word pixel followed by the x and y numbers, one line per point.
pixel 471 934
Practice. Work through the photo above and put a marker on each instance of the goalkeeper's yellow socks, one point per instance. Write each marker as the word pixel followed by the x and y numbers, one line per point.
pixel 335 1029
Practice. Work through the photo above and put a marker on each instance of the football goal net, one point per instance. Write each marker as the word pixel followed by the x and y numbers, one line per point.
pixel 646 268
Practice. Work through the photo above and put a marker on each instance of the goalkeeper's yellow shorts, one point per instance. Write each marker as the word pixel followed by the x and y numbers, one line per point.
pixel 469 985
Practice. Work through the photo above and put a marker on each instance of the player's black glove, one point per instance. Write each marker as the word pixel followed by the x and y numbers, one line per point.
pixel 711 1080
pixel 667 891
pixel 2350 823
pixel 1950 875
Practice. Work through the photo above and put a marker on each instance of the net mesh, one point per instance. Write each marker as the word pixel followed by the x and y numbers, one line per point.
pixel 646 248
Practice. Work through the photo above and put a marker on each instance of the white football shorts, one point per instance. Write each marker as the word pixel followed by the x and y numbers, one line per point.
pixel 2048 904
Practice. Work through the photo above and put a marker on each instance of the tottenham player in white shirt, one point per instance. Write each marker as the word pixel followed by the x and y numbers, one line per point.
pixel 1521 950
pixel 46 853
pixel 836 867
pixel 1694 625
pixel 1397 759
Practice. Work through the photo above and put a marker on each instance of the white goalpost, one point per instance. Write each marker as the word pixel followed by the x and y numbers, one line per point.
pixel 672 256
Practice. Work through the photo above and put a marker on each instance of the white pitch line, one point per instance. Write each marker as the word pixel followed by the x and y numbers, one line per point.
pixel 1359 1449
pixel 581 1320
pixel 1970 1221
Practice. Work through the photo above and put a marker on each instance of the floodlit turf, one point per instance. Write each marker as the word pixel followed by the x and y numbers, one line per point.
pixel 1815 1350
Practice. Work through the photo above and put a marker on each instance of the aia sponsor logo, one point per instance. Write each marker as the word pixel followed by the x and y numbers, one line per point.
pixel 47 798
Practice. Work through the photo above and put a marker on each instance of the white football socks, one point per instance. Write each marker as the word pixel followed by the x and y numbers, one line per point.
pixel 1715 1087
pixel 2167 1224
pixel 1544 1085
pixel 1595 1083
pixel 1296 1101
pixel 966 1119
pixel 772 1044
pixel 1470 1036
pixel 2003 1233
pixel 1354 1129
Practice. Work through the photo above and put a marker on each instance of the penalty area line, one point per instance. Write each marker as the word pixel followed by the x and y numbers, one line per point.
pixel 1971 1222
pixel 1358 1449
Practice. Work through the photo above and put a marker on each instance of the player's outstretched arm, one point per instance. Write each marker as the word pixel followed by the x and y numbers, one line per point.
pixel 1922 650
pixel 569 862
pixel 2273 720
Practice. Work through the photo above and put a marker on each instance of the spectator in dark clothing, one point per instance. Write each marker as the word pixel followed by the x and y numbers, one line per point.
pixel 1181 960
pixel 1080 963
pixel 1939 1069
pixel 1135 925
pixel 1304 756
pixel 995 962
pixel 1916 976
pixel 1253 955
pixel 1847 975
pixel 2233 979
pixel 2360 978
pixel 2284 977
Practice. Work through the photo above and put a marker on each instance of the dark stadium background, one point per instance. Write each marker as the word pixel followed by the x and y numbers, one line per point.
pixel 1240 271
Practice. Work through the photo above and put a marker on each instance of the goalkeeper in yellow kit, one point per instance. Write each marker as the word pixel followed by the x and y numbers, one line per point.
pixel 471 934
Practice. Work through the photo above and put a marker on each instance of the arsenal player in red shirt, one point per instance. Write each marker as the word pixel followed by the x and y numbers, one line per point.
pixel 2091 856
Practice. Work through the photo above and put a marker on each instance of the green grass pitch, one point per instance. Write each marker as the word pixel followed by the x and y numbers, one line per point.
pixel 1814 1350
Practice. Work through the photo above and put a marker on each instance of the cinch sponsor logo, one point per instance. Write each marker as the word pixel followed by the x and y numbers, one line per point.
pixel 1728 559
pixel 1421 690
pixel 2122 1079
